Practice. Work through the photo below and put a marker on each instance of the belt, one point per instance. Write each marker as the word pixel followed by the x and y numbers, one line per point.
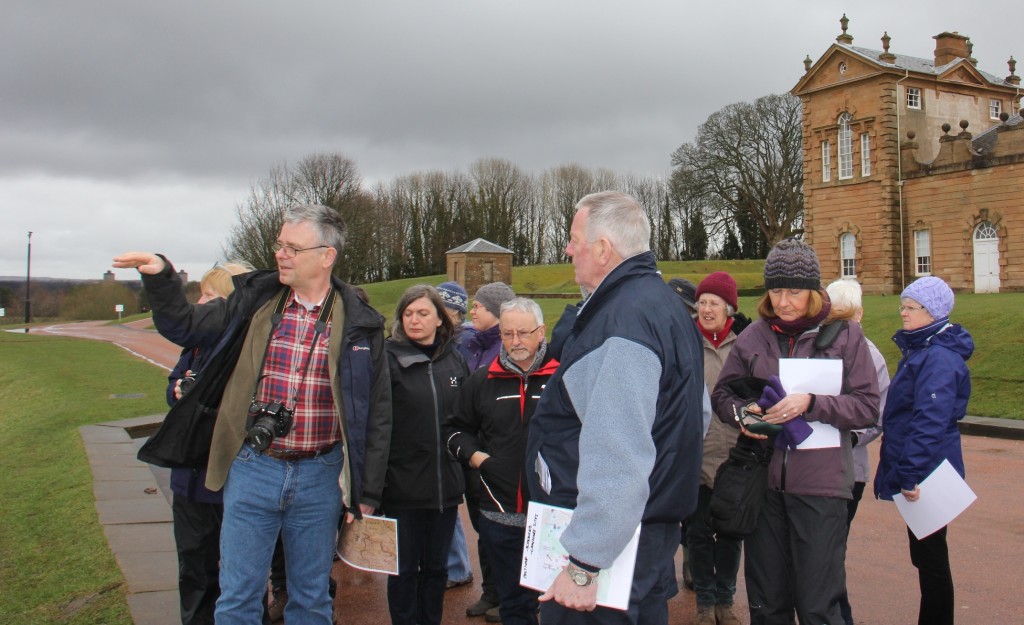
pixel 298 454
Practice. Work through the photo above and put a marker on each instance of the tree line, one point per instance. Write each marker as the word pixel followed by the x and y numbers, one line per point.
pixel 732 193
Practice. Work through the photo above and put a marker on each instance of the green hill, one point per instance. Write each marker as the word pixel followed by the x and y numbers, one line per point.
pixel 992 319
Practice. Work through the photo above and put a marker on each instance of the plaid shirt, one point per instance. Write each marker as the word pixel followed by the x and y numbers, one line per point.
pixel 316 419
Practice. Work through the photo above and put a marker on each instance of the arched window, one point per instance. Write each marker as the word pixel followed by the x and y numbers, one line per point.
pixel 845 147
pixel 848 255
pixel 985 231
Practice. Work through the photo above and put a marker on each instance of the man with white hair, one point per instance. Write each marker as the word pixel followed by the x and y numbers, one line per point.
pixel 846 295
pixel 487 431
pixel 617 432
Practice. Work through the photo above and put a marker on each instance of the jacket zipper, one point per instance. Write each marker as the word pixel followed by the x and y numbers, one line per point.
pixel 437 435
pixel 785 452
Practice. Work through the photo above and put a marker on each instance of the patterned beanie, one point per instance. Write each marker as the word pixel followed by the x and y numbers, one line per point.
pixel 453 296
pixel 792 264
pixel 721 284
pixel 932 293
pixel 492 296
pixel 686 290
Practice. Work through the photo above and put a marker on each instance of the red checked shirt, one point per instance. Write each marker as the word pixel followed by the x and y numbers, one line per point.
pixel 316 420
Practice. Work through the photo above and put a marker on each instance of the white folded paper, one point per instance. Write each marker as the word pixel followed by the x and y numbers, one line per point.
pixel 943 496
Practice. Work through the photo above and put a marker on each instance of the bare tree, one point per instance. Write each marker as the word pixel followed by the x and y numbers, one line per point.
pixel 252 239
pixel 560 189
pixel 748 160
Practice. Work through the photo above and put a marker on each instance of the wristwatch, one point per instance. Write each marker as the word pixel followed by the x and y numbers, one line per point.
pixel 579 576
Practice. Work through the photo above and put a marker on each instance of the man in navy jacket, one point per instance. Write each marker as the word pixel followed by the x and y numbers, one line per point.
pixel 617 432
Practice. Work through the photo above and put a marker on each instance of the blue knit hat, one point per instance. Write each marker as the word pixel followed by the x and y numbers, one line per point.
pixel 453 296
pixel 792 264
pixel 932 293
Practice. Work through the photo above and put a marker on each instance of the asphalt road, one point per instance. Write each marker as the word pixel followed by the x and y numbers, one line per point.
pixel 986 542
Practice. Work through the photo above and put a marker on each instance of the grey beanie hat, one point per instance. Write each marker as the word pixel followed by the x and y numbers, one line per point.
pixel 685 290
pixel 492 296
pixel 932 293
pixel 792 264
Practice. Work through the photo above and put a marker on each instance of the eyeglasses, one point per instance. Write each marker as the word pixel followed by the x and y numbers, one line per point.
pixel 291 252
pixel 508 335
pixel 911 308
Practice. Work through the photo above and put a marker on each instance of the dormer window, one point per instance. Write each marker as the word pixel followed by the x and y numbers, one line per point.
pixel 995 107
pixel 914 98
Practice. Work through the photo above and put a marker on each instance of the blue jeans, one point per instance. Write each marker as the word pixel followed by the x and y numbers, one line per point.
pixel 262 497
pixel 504 545
pixel 416 594
pixel 714 560
pixel 459 568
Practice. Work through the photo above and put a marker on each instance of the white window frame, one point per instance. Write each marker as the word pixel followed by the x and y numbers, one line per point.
pixel 995 107
pixel 845 148
pixel 826 162
pixel 865 154
pixel 914 98
pixel 848 255
pixel 923 252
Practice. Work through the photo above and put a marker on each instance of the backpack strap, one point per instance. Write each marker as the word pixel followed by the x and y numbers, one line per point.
pixel 828 335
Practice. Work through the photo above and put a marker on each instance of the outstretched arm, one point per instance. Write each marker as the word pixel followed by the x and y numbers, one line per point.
pixel 145 262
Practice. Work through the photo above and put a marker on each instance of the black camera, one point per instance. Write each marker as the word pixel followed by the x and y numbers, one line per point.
pixel 269 420
pixel 187 382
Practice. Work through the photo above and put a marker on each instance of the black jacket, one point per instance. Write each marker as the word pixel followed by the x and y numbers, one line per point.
pixel 492 415
pixel 221 327
pixel 421 474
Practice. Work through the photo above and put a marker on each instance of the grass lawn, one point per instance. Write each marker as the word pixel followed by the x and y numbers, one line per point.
pixel 992 319
pixel 55 566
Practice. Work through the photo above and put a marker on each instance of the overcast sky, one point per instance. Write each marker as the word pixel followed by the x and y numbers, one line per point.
pixel 141 125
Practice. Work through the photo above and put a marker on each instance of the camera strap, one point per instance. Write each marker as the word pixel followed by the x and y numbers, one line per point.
pixel 319 327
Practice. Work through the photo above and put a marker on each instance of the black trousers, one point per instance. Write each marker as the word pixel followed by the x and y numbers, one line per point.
pixel 416 594
pixel 197 537
pixel 930 556
pixel 795 561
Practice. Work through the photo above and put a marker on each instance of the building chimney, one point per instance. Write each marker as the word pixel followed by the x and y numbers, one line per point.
pixel 950 47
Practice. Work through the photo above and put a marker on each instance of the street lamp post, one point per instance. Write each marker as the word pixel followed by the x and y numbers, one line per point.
pixel 28 281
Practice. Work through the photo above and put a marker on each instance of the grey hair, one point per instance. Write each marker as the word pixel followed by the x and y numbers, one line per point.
pixel 729 310
pixel 845 294
pixel 327 223
pixel 523 304
pixel 618 217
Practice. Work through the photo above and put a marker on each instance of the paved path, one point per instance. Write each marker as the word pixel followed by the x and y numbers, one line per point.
pixel 133 337
pixel 987 550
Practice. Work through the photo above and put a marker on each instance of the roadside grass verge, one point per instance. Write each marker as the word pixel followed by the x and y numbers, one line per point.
pixel 55 566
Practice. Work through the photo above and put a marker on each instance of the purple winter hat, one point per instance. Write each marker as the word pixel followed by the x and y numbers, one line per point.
pixel 932 293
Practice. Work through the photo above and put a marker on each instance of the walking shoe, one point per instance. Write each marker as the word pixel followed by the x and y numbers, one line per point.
pixel 481 607
pixel 493 615
pixel 725 615
pixel 455 583
pixel 706 615
pixel 276 609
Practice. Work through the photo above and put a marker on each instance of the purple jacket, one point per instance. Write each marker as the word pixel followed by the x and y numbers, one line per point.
pixel 824 472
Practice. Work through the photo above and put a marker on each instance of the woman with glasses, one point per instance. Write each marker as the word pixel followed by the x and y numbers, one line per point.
pixel 424 483
pixel 926 399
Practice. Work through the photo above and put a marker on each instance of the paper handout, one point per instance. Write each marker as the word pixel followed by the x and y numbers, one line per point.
pixel 370 544
pixel 943 496
pixel 544 557
pixel 821 376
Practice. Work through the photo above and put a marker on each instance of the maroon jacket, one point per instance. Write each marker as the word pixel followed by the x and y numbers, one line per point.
pixel 825 472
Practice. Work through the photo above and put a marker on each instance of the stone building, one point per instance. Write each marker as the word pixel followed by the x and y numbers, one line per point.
pixel 479 262
pixel 889 193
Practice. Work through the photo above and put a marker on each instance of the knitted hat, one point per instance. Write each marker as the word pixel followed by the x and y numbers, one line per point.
pixel 492 296
pixel 453 296
pixel 792 264
pixel 721 284
pixel 686 290
pixel 932 293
